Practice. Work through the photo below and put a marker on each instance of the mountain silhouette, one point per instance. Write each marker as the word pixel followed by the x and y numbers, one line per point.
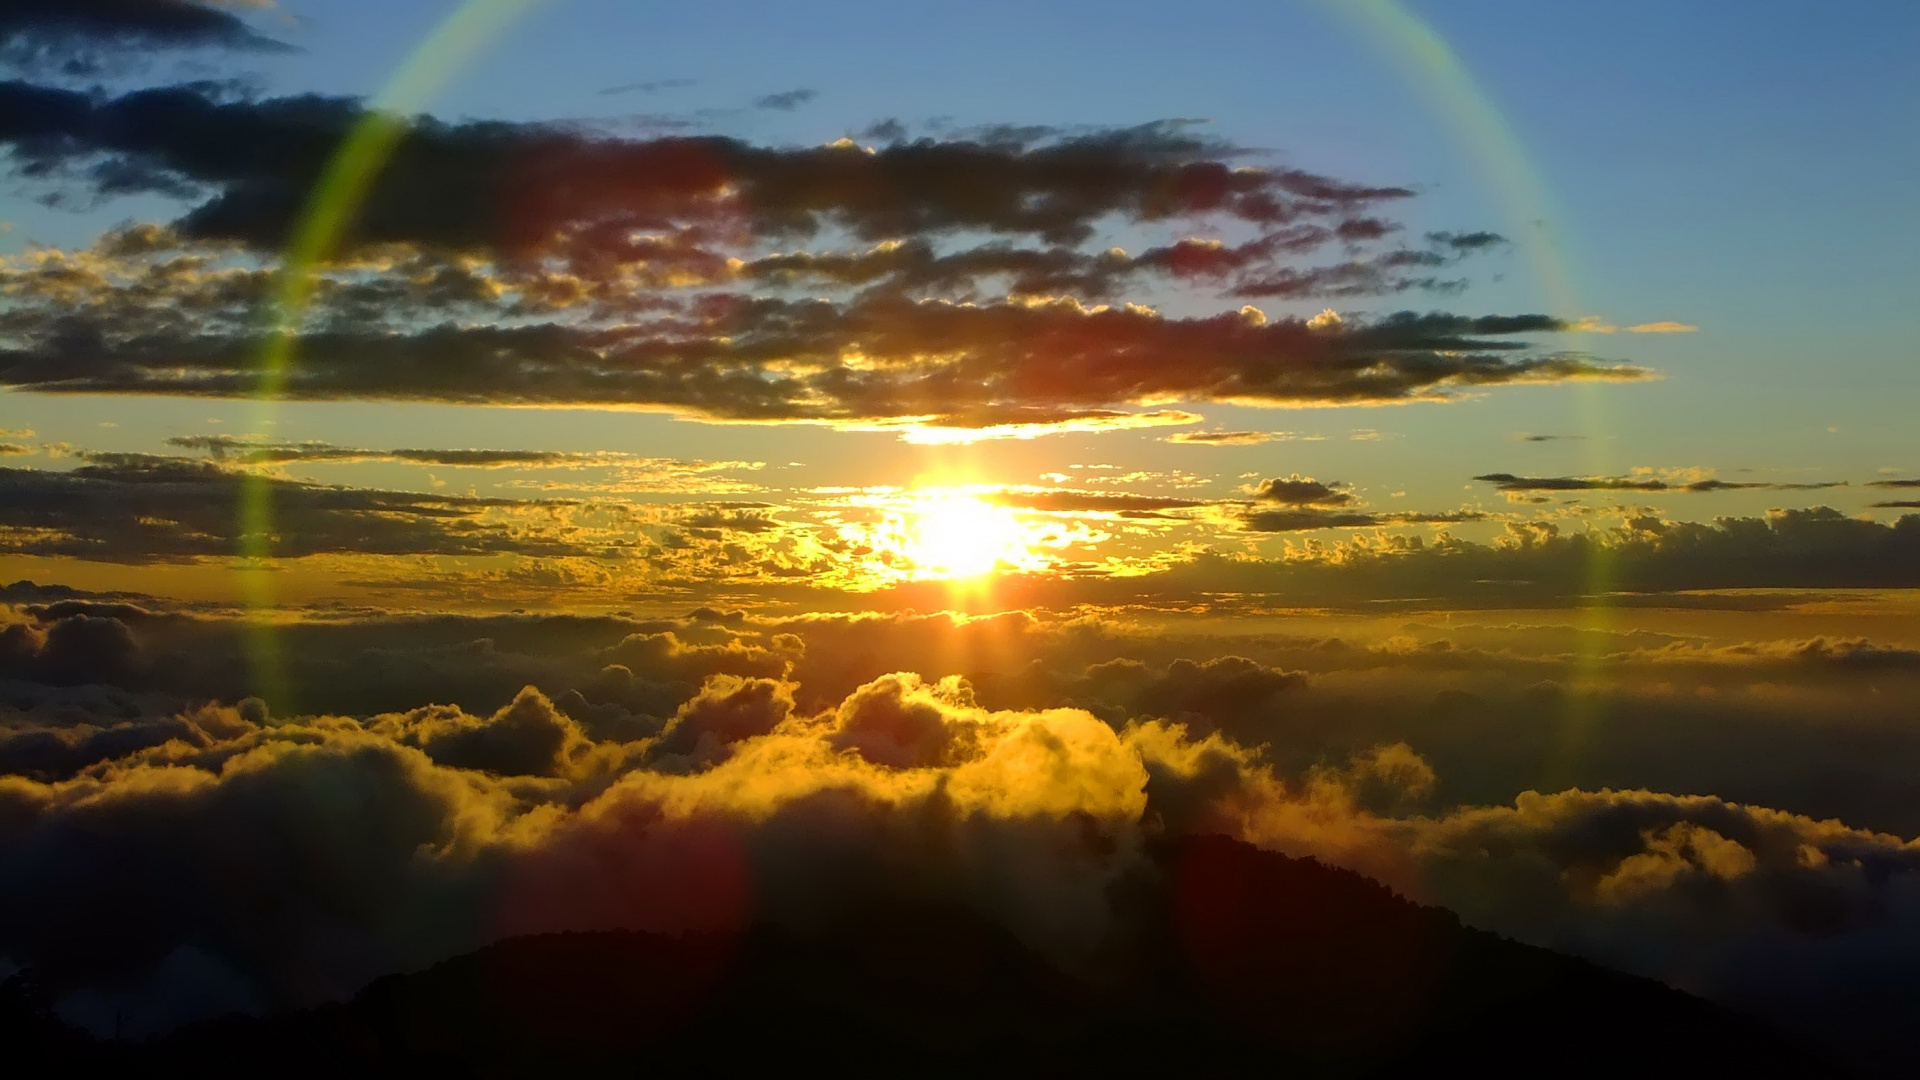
pixel 1226 960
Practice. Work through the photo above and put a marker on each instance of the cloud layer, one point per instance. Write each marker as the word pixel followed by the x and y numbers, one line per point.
pixel 133 508
pixel 681 773
pixel 977 281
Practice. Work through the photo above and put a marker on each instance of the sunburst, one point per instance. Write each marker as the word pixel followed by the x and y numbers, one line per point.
pixel 954 535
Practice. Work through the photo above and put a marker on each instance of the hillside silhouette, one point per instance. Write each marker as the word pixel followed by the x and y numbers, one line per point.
pixel 1229 960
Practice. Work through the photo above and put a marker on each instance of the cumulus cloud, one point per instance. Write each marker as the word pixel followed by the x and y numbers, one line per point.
pixel 1298 490
pixel 1675 713
pixel 1712 894
pixel 231 838
pixel 423 835
pixel 727 710
pixel 527 737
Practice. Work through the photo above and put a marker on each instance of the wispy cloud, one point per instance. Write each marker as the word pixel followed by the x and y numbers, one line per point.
pixel 1644 482
pixel 1225 438
pixel 1594 324
pixel 786 100
pixel 653 86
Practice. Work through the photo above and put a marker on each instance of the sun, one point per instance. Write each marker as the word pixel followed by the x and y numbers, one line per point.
pixel 957 536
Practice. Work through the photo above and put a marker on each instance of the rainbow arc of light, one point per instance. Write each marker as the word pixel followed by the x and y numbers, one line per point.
pixel 1416 50
pixel 336 200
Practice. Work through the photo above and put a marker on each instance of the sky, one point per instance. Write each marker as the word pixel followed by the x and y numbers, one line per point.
pixel 1480 426
pixel 1753 191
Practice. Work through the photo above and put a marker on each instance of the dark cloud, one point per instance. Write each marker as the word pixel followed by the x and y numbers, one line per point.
pixel 919 266
pixel 70 35
pixel 1510 482
pixel 1729 485
pixel 786 100
pixel 1223 691
pixel 71 648
pixel 619 472
pixel 1470 241
pixel 1812 548
pixel 1304 520
pixel 51 753
pixel 717 521
pixel 769 359
pixel 888 130
pixel 138 509
pixel 727 710
pixel 224 447
pixel 1309 518
pixel 482 183
pixel 1219 438
pixel 1897 504
pixel 1894 483
pixel 542 263
pixel 527 737
pixel 1383 275
pixel 1300 490
pixel 107 678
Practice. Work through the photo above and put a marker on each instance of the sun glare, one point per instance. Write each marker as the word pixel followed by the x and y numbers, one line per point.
pixel 956 536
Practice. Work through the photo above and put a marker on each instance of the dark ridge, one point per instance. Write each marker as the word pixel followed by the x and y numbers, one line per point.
pixel 1231 960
